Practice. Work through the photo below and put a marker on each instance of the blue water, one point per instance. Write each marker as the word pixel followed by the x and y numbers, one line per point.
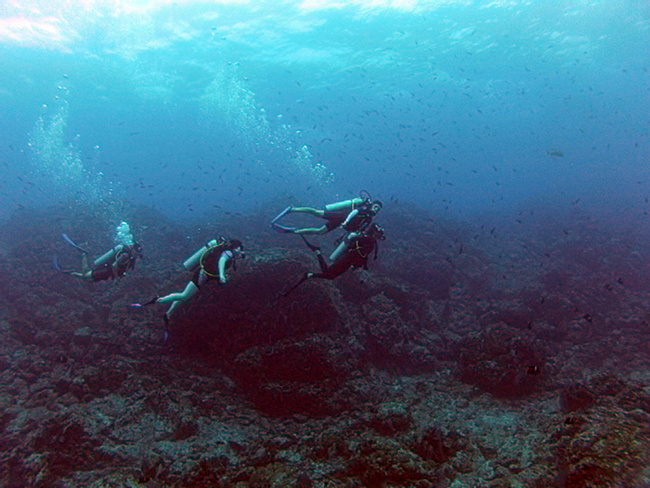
pixel 470 108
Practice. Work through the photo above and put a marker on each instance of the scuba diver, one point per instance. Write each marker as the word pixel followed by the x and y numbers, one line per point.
pixel 355 255
pixel 114 264
pixel 353 215
pixel 209 263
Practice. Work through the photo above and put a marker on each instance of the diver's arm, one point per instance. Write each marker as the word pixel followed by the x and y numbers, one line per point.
pixel 108 256
pixel 223 261
pixel 350 216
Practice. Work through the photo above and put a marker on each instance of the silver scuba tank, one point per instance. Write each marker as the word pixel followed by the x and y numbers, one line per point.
pixel 107 256
pixel 194 259
pixel 344 205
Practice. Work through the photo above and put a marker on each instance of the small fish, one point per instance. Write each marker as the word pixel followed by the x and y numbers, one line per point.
pixel 588 318
pixel 533 370
pixel 555 152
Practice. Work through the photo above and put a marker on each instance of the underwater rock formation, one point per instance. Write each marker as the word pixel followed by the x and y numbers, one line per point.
pixel 502 362
pixel 477 367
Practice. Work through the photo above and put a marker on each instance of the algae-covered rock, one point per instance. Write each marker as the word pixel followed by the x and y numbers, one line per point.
pixel 609 445
pixel 501 361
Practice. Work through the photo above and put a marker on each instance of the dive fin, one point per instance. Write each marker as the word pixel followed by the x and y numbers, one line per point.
pixel 72 243
pixel 285 229
pixel 152 301
pixel 148 302
pixel 57 266
pixel 311 246
pixel 281 214
pixel 304 278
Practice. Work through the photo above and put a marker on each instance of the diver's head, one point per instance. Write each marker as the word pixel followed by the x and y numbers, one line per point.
pixel 123 235
pixel 370 207
pixel 237 248
pixel 137 250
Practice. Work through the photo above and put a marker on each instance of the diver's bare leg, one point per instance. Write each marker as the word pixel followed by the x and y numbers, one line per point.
pixel 178 298
pixel 308 210
pixel 312 230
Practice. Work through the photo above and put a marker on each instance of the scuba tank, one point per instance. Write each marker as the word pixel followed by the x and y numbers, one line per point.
pixel 344 205
pixel 364 197
pixel 123 240
pixel 106 258
pixel 343 242
pixel 194 259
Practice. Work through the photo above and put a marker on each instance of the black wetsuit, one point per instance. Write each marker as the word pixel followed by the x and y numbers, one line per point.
pixel 359 222
pixel 209 265
pixel 356 256
pixel 335 218
pixel 125 259
pixel 356 224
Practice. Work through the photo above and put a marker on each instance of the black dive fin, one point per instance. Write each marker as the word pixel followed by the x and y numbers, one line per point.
pixel 311 246
pixel 304 278
pixel 281 214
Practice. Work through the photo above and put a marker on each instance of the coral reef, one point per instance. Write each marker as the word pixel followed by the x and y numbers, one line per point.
pixel 466 356
pixel 501 361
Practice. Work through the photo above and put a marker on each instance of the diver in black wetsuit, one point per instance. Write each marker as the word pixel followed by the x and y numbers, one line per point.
pixel 355 255
pixel 209 263
pixel 114 264
pixel 353 215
